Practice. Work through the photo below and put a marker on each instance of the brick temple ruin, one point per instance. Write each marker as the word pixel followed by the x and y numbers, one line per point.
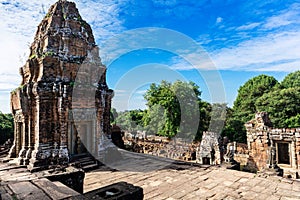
pixel 210 149
pixel 63 103
pixel 273 147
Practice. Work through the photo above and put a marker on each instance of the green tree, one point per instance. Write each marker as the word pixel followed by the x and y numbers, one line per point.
pixel 244 105
pixel 130 120
pixel 178 106
pixel 217 117
pixel 293 121
pixel 291 80
pixel 205 109
pixel 282 105
pixel 113 115
pixel 154 120
pixel 6 127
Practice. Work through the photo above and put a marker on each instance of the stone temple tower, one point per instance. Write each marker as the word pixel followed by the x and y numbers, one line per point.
pixel 62 106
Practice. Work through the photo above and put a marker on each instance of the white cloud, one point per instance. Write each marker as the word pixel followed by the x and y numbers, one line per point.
pixel 165 2
pixel 248 26
pixel 263 53
pixel 286 17
pixel 204 39
pixel 219 20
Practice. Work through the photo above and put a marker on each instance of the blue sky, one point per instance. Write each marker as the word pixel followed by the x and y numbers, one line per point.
pixel 241 38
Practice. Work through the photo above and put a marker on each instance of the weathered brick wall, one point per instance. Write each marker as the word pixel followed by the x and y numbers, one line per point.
pixel 263 142
pixel 63 73
pixel 258 144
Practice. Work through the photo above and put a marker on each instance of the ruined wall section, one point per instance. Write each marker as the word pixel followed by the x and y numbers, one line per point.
pixel 264 141
pixel 259 147
pixel 210 151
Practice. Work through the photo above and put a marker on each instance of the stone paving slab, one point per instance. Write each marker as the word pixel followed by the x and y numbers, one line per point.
pixel 170 180
pixel 189 181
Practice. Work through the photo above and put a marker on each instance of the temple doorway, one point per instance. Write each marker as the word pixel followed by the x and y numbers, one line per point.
pixel 81 138
pixel 283 154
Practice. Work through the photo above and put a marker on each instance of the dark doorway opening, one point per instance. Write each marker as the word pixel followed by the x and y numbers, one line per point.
pixel 283 153
pixel 206 161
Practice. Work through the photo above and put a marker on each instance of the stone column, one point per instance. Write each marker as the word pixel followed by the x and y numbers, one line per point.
pixel 62 114
pixel 35 112
pixel 272 161
pixel 29 144
pixel 293 155
pixel 13 149
pixel 22 153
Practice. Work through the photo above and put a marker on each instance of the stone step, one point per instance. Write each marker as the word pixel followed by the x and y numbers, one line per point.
pixel 88 162
pixel 84 161
pixel 79 156
pixel 90 167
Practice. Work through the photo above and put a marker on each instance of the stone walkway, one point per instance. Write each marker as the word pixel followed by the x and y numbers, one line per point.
pixel 177 180
pixel 160 179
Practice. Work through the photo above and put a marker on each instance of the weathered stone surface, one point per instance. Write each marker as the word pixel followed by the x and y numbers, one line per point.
pixel 62 105
pixel 27 190
pixel 16 182
pixel 56 190
pixel 193 182
pixel 176 149
pixel 210 149
pixel 272 147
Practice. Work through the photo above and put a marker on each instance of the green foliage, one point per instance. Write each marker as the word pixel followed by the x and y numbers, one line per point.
pixel 205 116
pixel 129 120
pixel 244 105
pixel 47 53
pixel 171 109
pixel 291 80
pixel 6 127
pixel 283 106
pixel 17 89
pixel 33 56
pixel 72 83
pixel 264 93
pixel 48 15
pixel 235 130
pixel 154 120
pixel 177 105
pixel 293 121
pixel 217 117
pixel 113 115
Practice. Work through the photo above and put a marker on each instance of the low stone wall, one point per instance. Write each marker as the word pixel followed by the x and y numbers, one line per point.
pixel 161 146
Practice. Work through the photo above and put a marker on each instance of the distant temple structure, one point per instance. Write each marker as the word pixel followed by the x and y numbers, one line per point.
pixel 62 106
pixel 273 147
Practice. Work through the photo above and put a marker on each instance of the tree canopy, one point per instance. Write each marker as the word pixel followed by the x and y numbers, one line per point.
pixel 244 105
pixel 176 108
pixel 178 105
pixel 282 105
pixel 6 127
pixel 291 80
pixel 173 109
